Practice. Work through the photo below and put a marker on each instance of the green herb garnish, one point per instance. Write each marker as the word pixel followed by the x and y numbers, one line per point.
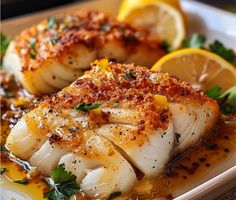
pixel 72 129
pixel 23 181
pixel 32 43
pixel 211 146
pixel 54 39
pixel 3 148
pixel 4 44
pixel 63 184
pixel 165 45
pixel 52 23
pixel 32 55
pixel 213 92
pixel 218 48
pixel 116 103
pixel 177 136
pixel 8 94
pixel 106 27
pixel 114 195
pixel 130 75
pixel 86 107
pixel 226 100
pixel 195 41
pixel 2 170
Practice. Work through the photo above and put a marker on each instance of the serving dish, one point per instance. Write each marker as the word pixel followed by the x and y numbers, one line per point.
pixel 222 176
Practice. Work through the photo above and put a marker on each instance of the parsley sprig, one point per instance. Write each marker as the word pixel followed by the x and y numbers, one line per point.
pixel 195 41
pixel 218 48
pixel 199 41
pixel 63 184
pixel 226 100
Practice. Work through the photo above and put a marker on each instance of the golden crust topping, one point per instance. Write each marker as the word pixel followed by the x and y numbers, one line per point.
pixel 132 85
pixel 125 86
pixel 51 37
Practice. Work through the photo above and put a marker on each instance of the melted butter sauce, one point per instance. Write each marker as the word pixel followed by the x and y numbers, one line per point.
pixel 182 173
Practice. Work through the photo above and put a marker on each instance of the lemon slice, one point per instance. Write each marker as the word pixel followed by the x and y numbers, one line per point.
pixel 163 19
pixel 198 67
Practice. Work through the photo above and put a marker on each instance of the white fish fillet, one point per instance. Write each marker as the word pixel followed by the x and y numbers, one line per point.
pixel 52 54
pixel 132 129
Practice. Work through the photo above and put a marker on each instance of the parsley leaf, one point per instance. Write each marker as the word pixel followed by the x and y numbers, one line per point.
pixel 226 100
pixel 218 48
pixel 32 55
pixel 52 23
pixel 114 195
pixel 116 104
pixel 23 181
pixel 3 148
pixel 4 44
pixel 130 75
pixel 63 184
pixel 32 43
pixel 60 175
pixel 177 136
pixel 195 41
pixel 86 107
pixel 8 94
pixel 214 92
pixel 2 170
pixel 165 45
pixel 211 146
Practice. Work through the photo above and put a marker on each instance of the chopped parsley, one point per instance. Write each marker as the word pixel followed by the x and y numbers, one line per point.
pixel 116 104
pixel 213 92
pixel 195 41
pixel 63 184
pixel 86 107
pixel 72 129
pixel 32 43
pixel 211 146
pixel 226 100
pixel 3 148
pixel 218 48
pixel 165 45
pixel 114 195
pixel 2 170
pixel 8 94
pixel 5 41
pixel 177 136
pixel 32 55
pixel 106 27
pixel 54 39
pixel 130 75
pixel 52 23
pixel 22 181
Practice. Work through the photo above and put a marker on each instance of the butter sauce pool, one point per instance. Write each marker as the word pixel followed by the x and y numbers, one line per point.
pixel 182 173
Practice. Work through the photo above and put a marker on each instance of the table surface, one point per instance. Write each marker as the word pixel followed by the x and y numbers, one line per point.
pixel 12 8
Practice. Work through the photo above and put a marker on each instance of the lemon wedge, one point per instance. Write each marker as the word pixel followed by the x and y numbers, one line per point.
pixel 198 67
pixel 162 18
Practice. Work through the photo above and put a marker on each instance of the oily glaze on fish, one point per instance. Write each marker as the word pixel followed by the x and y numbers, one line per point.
pixel 132 128
pixel 54 53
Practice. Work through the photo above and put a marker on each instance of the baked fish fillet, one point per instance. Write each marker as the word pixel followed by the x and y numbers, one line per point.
pixel 113 123
pixel 52 54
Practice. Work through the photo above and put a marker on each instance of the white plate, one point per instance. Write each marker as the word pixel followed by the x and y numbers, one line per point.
pixel 212 22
